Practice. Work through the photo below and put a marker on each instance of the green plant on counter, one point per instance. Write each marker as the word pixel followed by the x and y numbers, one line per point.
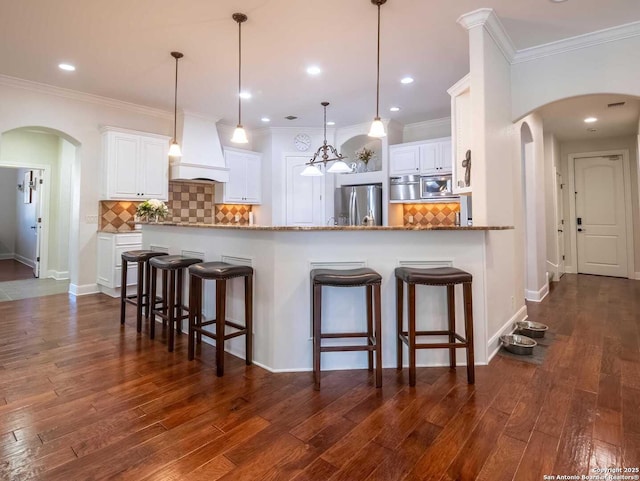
pixel 152 208
pixel 364 155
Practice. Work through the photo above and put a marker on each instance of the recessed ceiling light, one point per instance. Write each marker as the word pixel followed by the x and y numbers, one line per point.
pixel 406 80
pixel 265 119
pixel 314 70
pixel 590 120
pixel 330 123
pixel 67 67
pixel 245 95
pixel 395 109
pixel 557 1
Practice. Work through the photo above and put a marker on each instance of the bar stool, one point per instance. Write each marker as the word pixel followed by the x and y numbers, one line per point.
pixel 172 310
pixel 141 298
pixel 347 278
pixel 219 272
pixel 439 276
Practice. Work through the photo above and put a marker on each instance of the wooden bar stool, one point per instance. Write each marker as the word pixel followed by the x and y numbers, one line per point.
pixel 141 298
pixel 439 276
pixel 219 272
pixel 173 311
pixel 363 277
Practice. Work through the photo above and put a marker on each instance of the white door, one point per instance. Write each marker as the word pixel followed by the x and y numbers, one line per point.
pixel 561 223
pixel 253 179
pixel 404 160
pixel 430 159
pixel 36 198
pixel 305 204
pixel 600 216
pixel 235 190
pixel 445 161
pixel 125 166
pixel 154 166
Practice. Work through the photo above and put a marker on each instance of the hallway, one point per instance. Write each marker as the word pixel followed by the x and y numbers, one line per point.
pixel 82 397
pixel 12 270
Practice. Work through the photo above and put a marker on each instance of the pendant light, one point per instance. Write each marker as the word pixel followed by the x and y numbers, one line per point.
pixel 377 127
pixel 322 155
pixel 239 134
pixel 174 148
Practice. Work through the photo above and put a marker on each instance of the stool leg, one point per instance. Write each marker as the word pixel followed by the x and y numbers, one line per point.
pixel 123 291
pixel 378 321
pixel 152 321
pixel 221 297
pixel 248 313
pixel 179 302
pixel 165 293
pixel 412 334
pixel 468 324
pixel 451 311
pixel 399 320
pixel 199 304
pixel 317 333
pixel 147 280
pixel 139 298
pixel 172 307
pixel 370 323
pixel 193 280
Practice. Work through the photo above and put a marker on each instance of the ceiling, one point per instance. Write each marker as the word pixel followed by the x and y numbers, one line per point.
pixel 565 119
pixel 121 50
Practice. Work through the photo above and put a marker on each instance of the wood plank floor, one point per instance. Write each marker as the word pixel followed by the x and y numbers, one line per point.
pixel 82 398
pixel 12 270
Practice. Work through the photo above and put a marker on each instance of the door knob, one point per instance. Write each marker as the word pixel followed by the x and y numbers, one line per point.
pixel 33 227
pixel 560 230
pixel 582 230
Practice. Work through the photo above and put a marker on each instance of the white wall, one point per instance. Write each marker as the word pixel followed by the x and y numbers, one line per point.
pixel 610 67
pixel 429 129
pixel 8 196
pixel 551 165
pixel 598 145
pixel 79 118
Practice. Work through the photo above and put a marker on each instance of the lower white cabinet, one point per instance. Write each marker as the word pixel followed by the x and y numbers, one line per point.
pixel 110 249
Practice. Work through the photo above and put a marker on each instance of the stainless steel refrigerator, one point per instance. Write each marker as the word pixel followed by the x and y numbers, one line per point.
pixel 358 205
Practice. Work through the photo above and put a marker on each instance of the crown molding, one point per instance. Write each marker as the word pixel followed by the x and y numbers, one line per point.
pixel 591 39
pixel 487 18
pixel 445 121
pixel 46 89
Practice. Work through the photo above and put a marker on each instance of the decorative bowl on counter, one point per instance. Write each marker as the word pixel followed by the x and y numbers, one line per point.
pixel 517 344
pixel 531 329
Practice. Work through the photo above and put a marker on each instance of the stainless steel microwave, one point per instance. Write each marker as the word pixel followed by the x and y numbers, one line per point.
pixel 436 186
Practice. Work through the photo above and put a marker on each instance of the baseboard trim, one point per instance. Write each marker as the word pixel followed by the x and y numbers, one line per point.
pixel 537 296
pixel 24 260
pixel 84 289
pixel 493 346
pixel 570 270
pixel 638 276
pixel 58 275
pixel 7 256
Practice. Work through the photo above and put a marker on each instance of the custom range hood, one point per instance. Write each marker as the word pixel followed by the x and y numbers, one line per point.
pixel 202 157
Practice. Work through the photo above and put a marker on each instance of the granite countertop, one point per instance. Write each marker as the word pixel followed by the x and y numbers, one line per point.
pixel 326 228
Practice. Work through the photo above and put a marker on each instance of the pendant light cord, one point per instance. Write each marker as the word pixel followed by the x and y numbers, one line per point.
pixel 175 104
pixel 325 124
pixel 239 73
pixel 378 70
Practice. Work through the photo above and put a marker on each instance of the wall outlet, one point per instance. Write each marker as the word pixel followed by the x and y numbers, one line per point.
pixel 91 219
pixel 237 217
pixel 410 219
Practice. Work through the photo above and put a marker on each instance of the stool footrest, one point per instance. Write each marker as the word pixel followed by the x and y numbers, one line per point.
pixel 347 348
pixel 435 333
pixel 230 335
pixel 338 335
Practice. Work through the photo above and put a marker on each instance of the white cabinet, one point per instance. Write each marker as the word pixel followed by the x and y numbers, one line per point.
pixel 430 157
pixel 110 249
pixel 135 165
pixel 462 134
pixel 245 178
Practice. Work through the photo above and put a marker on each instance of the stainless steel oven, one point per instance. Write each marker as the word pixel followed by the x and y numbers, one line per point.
pixel 436 186
pixel 404 188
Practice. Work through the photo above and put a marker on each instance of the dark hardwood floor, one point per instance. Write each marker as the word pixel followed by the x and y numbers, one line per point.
pixel 82 398
pixel 12 270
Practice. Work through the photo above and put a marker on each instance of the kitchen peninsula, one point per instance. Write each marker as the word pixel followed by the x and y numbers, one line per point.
pixel 283 257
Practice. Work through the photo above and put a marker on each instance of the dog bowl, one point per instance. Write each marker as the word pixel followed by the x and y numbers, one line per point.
pixel 532 329
pixel 517 344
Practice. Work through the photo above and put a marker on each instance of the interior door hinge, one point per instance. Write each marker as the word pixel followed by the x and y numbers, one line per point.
pixel 562 257
pixel 41 181
pixel 562 221
pixel 38 259
pixel 39 220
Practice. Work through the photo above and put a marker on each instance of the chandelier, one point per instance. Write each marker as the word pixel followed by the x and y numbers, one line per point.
pixel 326 153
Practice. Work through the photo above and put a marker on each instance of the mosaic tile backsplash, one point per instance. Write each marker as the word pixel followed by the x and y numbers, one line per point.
pixel 191 202
pixel 226 214
pixel 431 214
pixel 117 216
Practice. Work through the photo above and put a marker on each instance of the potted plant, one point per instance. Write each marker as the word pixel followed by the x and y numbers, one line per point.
pixel 364 155
pixel 152 210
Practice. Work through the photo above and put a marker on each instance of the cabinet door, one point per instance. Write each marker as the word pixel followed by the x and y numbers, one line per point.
pixel 154 166
pixel 445 157
pixel 235 190
pixel 404 160
pixel 253 174
pixel 124 168
pixel 429 159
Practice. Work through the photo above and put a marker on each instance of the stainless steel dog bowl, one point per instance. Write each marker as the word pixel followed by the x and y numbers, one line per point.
pixel 532 329
pixel 517 344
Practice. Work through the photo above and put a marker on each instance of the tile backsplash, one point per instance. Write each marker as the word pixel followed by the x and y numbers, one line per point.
pixel 191 202
pixel 117 216
pixel 226 214
pixel 431 214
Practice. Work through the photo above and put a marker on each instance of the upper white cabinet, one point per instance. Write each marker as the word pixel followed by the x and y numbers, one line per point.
pixel 245 178
pixel 430 157
pixel 135 165
pixel 462 134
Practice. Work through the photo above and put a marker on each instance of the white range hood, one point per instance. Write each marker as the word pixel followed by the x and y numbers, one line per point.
pixel 202 157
